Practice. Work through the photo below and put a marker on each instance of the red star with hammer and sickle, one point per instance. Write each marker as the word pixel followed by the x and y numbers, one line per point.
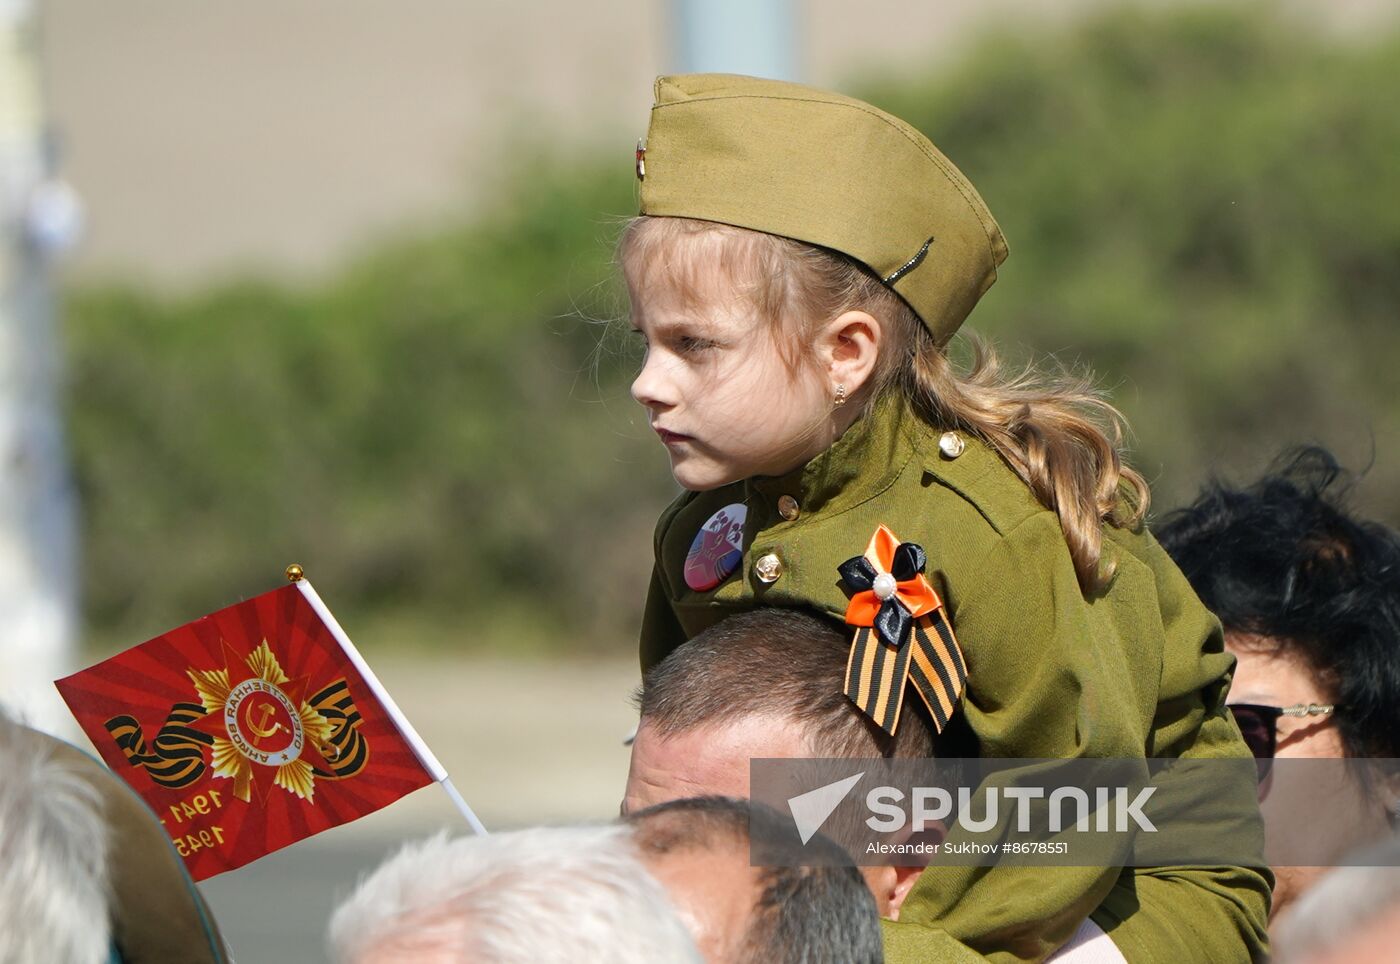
pixel 294 689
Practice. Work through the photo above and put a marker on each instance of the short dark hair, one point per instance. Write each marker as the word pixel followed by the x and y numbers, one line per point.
pixel 820 912
pixel 1285 559
pixel 782 662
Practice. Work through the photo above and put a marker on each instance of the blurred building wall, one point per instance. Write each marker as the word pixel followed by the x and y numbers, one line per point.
pixel 207 138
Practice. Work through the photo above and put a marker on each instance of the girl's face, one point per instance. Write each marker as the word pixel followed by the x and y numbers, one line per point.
pixel 720 395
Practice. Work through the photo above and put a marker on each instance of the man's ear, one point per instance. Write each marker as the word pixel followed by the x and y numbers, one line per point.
pixel 1390 796
pixel 848 346
pixel 904 880
pixel 906 877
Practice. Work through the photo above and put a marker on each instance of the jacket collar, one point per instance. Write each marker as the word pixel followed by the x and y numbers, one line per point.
pixel 858 466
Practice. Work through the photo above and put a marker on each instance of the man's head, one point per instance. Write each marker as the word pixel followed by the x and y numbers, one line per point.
pixel 762 684
pixel 741 914
pixel 87 871
pixel 546 895
pixel 1353 914
pixel 53 855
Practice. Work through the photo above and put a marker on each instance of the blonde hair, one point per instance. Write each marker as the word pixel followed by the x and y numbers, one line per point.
pixel 1053 428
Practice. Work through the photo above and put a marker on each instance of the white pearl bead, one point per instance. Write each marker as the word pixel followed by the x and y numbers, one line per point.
pixel 884 585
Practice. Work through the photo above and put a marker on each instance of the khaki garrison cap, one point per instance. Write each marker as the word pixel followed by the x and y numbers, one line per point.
pixel 825 170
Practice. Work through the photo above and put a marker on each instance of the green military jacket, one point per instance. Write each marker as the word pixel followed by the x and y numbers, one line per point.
pixel 1139 670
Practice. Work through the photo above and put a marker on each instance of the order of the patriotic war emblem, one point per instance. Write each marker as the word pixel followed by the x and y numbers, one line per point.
pixel 258 726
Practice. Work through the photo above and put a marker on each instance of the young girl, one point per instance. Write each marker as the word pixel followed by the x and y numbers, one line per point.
pixel 801 262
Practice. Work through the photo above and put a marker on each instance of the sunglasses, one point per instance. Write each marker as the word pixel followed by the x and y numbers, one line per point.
pixel 1259 727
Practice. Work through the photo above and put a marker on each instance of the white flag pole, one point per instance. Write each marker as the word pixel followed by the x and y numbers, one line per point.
pixel 456 797
pixel 420 749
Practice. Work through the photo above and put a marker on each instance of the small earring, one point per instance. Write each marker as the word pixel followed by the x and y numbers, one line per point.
pixel 840 395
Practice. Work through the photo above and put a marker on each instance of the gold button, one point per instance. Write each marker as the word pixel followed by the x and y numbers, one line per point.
pixel 951 445
pixel 768 568
pixel 787 508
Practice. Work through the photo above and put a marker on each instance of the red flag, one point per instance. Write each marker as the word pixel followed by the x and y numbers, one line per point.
pixel 250 729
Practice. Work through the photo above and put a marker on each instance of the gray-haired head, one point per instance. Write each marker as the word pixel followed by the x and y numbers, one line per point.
pixel 1341 908
pixel 53 856
pixel 538 896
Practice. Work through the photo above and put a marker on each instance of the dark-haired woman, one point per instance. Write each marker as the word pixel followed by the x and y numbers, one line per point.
pixel 1309 596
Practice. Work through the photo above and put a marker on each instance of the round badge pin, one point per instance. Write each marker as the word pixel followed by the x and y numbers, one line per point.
pixel 717 549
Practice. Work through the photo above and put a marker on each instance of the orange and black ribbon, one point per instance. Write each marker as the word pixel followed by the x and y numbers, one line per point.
pixel 346 751
pixel 175 759
pixel 902 634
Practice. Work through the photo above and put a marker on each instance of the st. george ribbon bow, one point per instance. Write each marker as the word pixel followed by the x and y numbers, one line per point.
pixel 902 634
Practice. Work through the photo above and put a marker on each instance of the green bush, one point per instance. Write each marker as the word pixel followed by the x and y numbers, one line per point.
pixel 429 433
pixel 1202 204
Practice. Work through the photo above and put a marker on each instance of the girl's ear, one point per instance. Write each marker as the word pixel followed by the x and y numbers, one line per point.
pixel 848 346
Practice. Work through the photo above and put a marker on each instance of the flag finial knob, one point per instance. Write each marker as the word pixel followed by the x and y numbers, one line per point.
pixel 294 573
